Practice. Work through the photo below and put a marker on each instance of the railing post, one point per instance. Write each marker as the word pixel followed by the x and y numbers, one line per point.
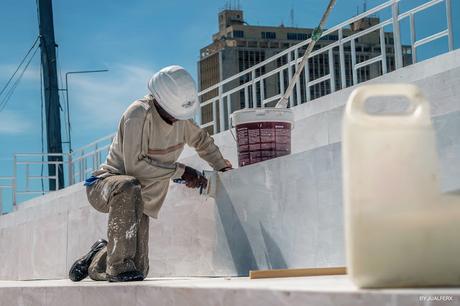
pixel 198 117
pixel 298 99
pixel 220 91
pixel 96 159
pixel 353 62
pixel 343 76
pixel 27 177
pixel 396 34
pixel 85 167
pixel 331 70
pixel 56 175
pixel 69 169
pixel 262 93
pixel 449 25
pixel 307 79
pixel 290 73
pixel 221 111
pixel 214 116
pixel 413 38
pixel 246 97
pixel 281 81
pixel 383 51
pixel 229 110
pixel 254 93
pixel 82 170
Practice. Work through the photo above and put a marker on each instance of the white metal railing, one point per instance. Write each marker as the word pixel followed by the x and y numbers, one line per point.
pixel 6 183
pixel 221 102
pixel 86 159
pixel 29 177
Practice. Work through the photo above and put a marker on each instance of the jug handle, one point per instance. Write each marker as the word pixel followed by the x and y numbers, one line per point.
pixel 419 108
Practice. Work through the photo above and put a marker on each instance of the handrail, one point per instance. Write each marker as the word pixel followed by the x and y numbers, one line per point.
pixel 257 83
pixel 301 44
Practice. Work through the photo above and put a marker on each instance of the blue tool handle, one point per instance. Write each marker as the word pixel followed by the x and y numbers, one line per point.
pixel 179 181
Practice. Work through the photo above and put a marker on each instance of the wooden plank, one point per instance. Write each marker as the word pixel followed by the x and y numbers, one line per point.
pixel 297 272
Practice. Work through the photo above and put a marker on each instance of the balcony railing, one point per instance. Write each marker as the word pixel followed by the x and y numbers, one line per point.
pixel 250 83
pixel 30 170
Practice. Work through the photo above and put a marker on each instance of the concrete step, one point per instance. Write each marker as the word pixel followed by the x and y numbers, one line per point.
pixel 314 291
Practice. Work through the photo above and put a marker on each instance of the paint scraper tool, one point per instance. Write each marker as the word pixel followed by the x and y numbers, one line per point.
pixel 211 178
pixel 210 189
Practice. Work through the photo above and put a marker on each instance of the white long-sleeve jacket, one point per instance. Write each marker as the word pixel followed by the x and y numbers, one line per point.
pixel 147 148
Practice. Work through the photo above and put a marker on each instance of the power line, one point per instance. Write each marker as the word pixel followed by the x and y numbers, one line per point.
pixel 19 66
pixel 11 90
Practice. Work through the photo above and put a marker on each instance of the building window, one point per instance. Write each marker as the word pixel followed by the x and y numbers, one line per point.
pixel 268 35
pixel 298 36
pixel 332 37
pixel 238 34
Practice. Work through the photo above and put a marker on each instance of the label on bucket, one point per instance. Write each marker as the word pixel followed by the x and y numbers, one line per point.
pixel 261 141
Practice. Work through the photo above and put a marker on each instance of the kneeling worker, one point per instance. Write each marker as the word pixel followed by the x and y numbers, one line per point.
pixel 132 184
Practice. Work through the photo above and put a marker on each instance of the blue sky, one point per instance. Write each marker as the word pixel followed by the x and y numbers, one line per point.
pixel 132 39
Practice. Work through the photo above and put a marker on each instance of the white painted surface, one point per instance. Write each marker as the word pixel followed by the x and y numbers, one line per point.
pixel 285 212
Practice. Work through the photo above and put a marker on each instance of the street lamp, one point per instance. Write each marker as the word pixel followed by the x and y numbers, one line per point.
pixel 67 97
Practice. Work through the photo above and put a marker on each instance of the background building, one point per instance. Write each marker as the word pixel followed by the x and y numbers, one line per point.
pixel 238 46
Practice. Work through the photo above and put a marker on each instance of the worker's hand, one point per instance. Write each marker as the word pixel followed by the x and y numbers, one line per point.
pixel 193 178
pixel 228 166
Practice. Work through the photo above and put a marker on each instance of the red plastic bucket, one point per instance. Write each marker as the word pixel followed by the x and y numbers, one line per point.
pixel 262 134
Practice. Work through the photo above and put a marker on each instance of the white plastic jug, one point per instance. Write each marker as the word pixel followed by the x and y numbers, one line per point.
pixel 400 231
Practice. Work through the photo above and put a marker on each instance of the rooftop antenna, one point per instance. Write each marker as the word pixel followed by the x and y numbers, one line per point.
pixel 364 6
pixel 291 15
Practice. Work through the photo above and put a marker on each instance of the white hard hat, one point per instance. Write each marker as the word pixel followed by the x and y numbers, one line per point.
pixel 174 89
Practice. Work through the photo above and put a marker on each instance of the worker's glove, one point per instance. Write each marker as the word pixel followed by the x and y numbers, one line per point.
pixel 228 166
pixel 193 178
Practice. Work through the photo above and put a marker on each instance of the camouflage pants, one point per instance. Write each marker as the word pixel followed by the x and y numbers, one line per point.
pixel 128 227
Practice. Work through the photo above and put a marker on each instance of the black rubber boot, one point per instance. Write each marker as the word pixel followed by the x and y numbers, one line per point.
pixel 130 276
pixel 79 269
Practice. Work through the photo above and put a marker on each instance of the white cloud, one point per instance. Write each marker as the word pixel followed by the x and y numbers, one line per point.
pixel 98 100
pixel 32 73
pixel 13 123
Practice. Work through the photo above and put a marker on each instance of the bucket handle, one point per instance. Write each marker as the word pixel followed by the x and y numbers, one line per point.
pixel 419 108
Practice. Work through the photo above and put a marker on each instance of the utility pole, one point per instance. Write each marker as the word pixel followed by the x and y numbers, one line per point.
pixel 51 90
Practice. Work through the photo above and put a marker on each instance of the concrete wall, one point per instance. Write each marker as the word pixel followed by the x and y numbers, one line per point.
pixel 282 213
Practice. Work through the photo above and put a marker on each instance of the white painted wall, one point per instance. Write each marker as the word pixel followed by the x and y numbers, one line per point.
pixel 281 213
